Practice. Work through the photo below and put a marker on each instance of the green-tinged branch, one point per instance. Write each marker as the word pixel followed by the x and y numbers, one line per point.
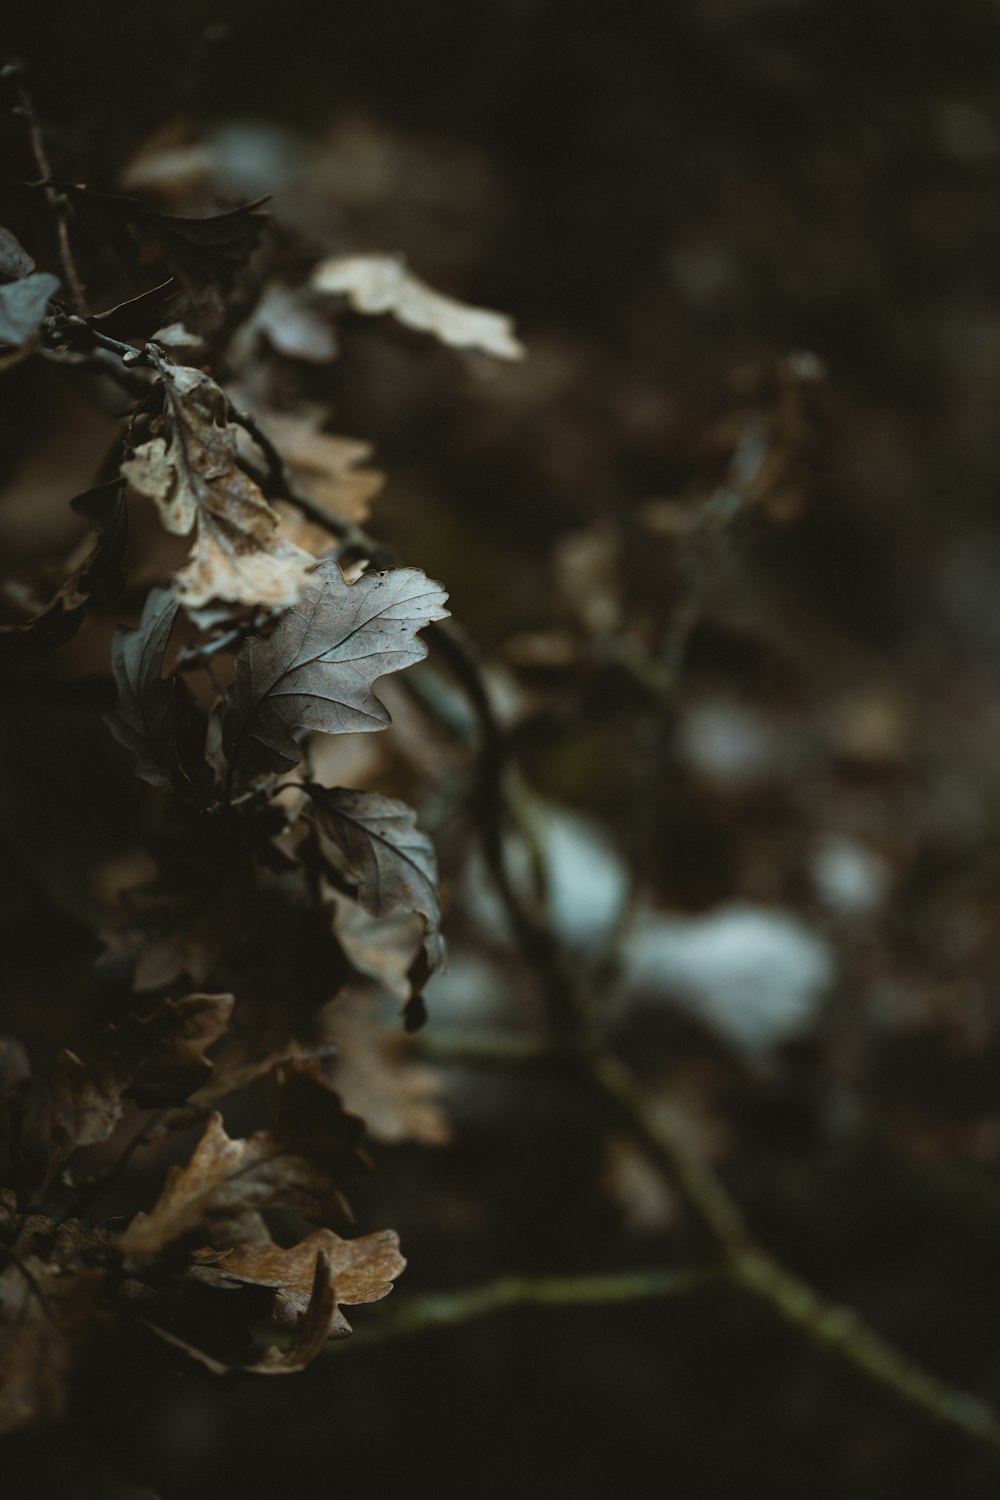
pixel 425 1313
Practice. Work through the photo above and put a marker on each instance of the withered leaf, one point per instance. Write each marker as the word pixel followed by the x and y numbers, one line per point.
pixel 316 669
pixel 144 720
pixel 302 1164
pixel 156 1060
pixel 328 465
pixel 190 469
pixel 139 317
pixel 392 862
pixel 23 305
pixel 46 1312
pixel 319 1322
pixel 203 252
pixel 382 284
pixel 99 572
pixel 396 1098
pixel 363 1270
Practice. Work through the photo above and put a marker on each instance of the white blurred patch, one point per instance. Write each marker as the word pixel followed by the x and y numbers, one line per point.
pixel 587 881
pixel 850 878
pixel 470 992
pixel 756 974
pixel 727 742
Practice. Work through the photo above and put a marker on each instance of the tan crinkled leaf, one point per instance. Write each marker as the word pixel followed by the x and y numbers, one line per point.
pixel 363 1270
pixel 317 1323
pixel 326 464
pixel 393 863
pixel 189 469
pixel 302 1164
pixel 317 667
pixel 382 284
pixel 157 1059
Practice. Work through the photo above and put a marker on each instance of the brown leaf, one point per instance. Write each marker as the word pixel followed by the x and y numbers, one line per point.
pixel 317 1323
pixel 363 1270
pixel 381 948
pixel 46 1311
pixel 316 669
pixel 396 1098
pixel 326 464
pixel 189 468
pixel 157 1060
pixel 303 1164
pixel 100 570
pixel 391 861
pixel 382 284
pixel 144 720
pixel 205 253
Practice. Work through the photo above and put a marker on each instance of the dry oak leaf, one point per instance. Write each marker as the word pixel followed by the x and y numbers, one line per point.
pixel 396 1098
pixel 189 468
pixel 317 667
pixel 157 1060
pixel 392 862
pixel 302 1164
pixel 318 1323
pixel 96 567
pixel 144 719
pixel 382 284
pixel 46 1312
pixel 363 1270
pixel 205 253
pixel 327 464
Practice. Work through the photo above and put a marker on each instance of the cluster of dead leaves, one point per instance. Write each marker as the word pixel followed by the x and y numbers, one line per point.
pixel 260 636
pixel 59 1278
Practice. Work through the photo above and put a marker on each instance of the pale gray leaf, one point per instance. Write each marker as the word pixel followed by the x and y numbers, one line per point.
pixel 316 669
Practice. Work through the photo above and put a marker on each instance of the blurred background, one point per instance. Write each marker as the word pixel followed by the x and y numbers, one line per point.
pixel 728 538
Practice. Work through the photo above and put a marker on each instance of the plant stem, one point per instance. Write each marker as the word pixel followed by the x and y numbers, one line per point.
pixel 415 1316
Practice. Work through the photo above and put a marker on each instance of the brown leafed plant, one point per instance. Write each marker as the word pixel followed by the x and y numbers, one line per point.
pixel 254 615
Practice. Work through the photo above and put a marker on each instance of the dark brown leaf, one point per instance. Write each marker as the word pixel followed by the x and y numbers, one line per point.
pixel 204 253
pixel 99 572
pixel 316 669
pixel 144 720
pixel 46 1313
pixel 156 1060
pixel 302 1164
pixel 392 863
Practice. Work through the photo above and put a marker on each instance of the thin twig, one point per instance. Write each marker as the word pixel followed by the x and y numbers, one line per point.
pixel 56 202
pixel 429 1311
pixel 462 1044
